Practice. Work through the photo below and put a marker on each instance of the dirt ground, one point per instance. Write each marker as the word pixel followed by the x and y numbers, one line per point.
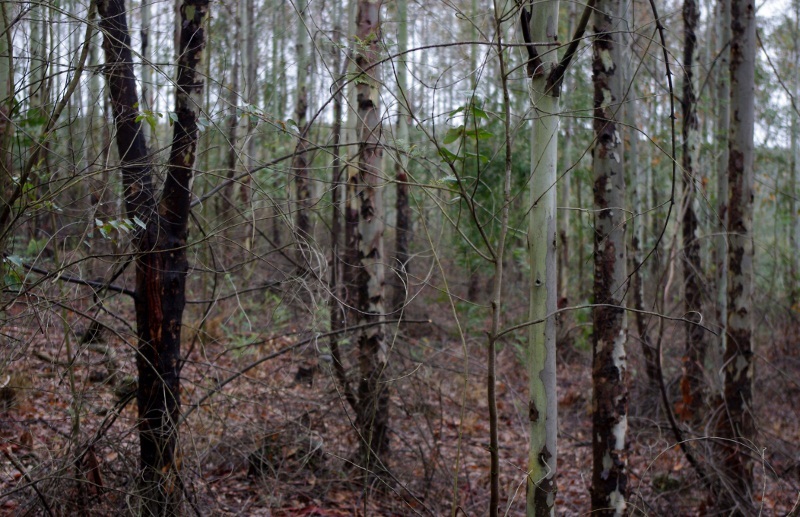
pixel 278 439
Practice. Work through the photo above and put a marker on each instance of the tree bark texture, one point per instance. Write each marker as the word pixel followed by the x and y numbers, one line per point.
pixel 794 174
pixel 737 423
pixel 162 263
pixel 609 369
pixel 6 125
pixel 228 197
pixel 373 394
pixel 338 310
pixel 722 129
pixel 542 406
pixel 300 165
pixel 694 358
pixel 402 205
pixel 639 219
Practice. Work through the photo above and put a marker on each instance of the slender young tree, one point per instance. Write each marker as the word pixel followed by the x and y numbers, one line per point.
pixel 547 76
pixel 402 206
pixel 542 412
pixel 694 359
pixel 372 416
pixel 247 44
pixel 737 423
pixel 609 368
pixel 722 128
pixel 227 199
pixel 147 68
pixel 338 311
pixel 6 105
pixel 161 263
pixel 638 221
pixel 794 178
pixel 300 165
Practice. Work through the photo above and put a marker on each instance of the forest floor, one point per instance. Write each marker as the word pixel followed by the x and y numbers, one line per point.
pixel 277 440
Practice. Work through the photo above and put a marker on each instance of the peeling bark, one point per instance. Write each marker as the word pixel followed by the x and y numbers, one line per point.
pixel 372 414
pixel 737 423
pixel 609 369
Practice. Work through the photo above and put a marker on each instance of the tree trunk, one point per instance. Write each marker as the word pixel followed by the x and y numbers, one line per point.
pixel 6 125
pixel 228 197
pixel 638 220
pixel 147 70
pixel 722 128
pixel 564 194
pixel 162 264
pixel 694 359
pixel 794 174
pixel 403 208
pixel 300 165
pixel 542 408
pixel 249 66
pixel 338 309
pixel 737 423
pixel 372 416
pixel 609 369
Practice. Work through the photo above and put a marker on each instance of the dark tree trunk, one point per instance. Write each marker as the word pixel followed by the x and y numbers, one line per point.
pixel 692 382
pixel 6 126
pixel 609 369
pixel 162 263
pixel 402 237
pixel 736 423
pixel 131 145
pixel 403 208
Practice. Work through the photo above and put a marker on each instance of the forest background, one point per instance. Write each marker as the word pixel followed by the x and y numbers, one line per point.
pixel 397 258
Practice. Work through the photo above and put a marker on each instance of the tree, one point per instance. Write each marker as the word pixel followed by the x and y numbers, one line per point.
pixel 542 410
pixel 547 74
pixel 722 128
pixel 692 382
pixel 161 263
pixel 609 366
pixel 300 165
pixel 737 424
pixel 794 179
pixel 372 412
pixel 6 125
pixel 402 205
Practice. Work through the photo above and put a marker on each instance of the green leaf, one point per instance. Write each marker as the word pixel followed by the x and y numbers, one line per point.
pixel 481 157
pixel 152 121
pixel 448 156
pixel 449 180
pixel 479 134
pixel 457 111
pixel 453 134
pixel 479 113
pixel 139 223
